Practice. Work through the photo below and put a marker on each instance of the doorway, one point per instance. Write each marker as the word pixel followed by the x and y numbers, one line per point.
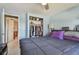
pixel 36 26
pixel 12 34
pixel 11 27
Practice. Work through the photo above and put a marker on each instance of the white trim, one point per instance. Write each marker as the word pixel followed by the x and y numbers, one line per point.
pixel 3 27
pixel 12 14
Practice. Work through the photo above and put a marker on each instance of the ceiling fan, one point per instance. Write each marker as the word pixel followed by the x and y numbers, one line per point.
pixel 45 6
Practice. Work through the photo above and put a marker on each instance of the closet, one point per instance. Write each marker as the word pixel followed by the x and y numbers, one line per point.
pixel 36 26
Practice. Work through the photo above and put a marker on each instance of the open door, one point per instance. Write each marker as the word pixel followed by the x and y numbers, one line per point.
pixel 12 34
pixel 2 27
pixel 11 27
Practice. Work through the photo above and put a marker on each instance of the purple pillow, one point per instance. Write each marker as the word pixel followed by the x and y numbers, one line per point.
pixel 58 34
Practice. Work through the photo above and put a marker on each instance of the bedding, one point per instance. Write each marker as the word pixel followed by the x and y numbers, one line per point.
pixel 48 46
pixel 72 35
pixel 58 34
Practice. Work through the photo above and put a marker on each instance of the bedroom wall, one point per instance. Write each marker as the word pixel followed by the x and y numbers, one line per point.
pixel 68 17
pixel 49 16
pixel 58 24
pixel 73 23
pixel 15 9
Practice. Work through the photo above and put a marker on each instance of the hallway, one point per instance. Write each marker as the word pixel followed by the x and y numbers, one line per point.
pixel 13 47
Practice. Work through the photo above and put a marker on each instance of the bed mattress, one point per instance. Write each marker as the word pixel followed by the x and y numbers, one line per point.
pixel 48 46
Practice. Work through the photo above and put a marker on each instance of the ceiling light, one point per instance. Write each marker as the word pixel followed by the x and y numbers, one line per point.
pixel 44 3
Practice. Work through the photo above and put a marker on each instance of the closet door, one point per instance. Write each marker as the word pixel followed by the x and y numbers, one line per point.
pixel 2 27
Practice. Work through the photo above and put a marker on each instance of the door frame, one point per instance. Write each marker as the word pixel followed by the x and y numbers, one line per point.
pixel 11 15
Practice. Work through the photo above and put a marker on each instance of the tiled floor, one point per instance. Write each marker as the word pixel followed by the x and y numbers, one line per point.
pixel 13 47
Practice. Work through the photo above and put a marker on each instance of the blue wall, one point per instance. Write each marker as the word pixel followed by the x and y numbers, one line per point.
pixel 22 27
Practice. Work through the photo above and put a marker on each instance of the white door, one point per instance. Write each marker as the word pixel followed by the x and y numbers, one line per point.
pixel 10 28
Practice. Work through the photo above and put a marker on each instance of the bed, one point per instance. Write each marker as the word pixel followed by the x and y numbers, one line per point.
pixel 48 46
pixel 72 35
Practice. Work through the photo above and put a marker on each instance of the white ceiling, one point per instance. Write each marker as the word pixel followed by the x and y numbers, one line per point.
pixel 59 7
pixel 22 7
pixel 54 8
